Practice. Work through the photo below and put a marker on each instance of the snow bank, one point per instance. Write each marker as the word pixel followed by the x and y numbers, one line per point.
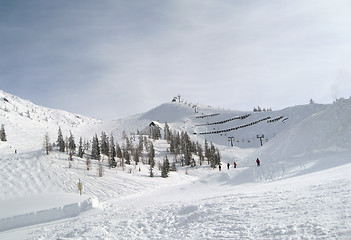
pixel 27 211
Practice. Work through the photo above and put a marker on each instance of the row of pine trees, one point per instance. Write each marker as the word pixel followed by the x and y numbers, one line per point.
pixel 138 148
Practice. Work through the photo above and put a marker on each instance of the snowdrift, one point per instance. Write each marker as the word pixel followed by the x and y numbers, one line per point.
pixel 318 142
pixel 36 209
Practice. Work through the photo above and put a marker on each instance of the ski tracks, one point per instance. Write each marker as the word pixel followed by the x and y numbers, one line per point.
pixel 317 211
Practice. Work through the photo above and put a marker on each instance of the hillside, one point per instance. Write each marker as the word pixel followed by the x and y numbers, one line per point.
pixel 303 184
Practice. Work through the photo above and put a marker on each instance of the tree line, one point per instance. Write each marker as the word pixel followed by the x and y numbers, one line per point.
pixel 137 148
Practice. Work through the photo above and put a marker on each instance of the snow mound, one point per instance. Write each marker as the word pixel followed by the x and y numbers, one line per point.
pixel 36 209
pixel 318 142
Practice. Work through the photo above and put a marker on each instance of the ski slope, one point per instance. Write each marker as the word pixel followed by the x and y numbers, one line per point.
pixel 301 190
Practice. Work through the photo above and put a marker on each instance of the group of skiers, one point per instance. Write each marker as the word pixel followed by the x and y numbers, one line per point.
pixel 258 162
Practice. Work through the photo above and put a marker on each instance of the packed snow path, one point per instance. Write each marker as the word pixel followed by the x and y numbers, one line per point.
pixel 313 206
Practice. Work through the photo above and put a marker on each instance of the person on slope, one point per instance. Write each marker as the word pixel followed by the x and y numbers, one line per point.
pixel 219 167
pixel 228 165
pixel 258 162
pixel 234 164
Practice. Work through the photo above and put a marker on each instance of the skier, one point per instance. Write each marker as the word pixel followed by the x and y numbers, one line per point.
pixel 219 167
pixel 258 162
pixel 234 164
pixel 228 165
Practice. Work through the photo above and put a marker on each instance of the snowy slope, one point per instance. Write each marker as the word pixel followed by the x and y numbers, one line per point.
pixel 301 190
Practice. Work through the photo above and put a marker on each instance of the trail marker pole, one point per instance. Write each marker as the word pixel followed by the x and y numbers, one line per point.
pixel 80 187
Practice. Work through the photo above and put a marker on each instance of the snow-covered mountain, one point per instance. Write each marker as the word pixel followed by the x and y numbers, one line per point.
pixel 301 190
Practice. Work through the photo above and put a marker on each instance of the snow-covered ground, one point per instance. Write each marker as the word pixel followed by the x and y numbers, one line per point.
pixel 301 190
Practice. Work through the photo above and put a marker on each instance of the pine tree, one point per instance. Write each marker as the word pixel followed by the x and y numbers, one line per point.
pixel 167 133
pixel 152 155
pixel 126 155
pixel 71 144
pixel 177 143
pixel 60 142
pixel 118 151
pixel 200 153
pixel 136 156
pixel 112 155
pixel 95 149
pixel 173 167
pixel 47 144
pixel 141 144
pixel 104 144
pixel 66 144
pixel 80 148
pixel 165 168
pixel 186 147
pixel 151 171
pixel 207 152
pixel 3 137
pixel 88 162
pixel 146 144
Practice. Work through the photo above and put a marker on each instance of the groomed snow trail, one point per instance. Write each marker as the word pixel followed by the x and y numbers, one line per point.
pixel 313 206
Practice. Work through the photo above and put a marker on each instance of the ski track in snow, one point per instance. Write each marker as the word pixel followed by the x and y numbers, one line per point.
pixel 317 210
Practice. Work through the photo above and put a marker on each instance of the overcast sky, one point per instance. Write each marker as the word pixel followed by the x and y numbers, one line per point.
pixel 111 59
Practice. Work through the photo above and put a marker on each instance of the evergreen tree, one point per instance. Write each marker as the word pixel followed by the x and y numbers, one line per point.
pixel 112 155
pixel 146 144
pixel 47 144
pixel 126 155
pixel 71 144
pixel 215 156
pixel 165 168
pixel 136 156
pixel 86 145
pixel 3 137
pixel 151 171
pixel 60 142
pixel 104 144
pixel 173 167
pixel 194 148
pixel 207 152
pixel 177 143
pixel 95 149
pixel 152 155
pixel 186 147
pixel 218 157
pixel 200 153
pixel 88 162
pixel 171 145
pixel 118 151
pixel 141 144
pixel 167 133
pixel 128 146
pixel 66 145
pixel 80 148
